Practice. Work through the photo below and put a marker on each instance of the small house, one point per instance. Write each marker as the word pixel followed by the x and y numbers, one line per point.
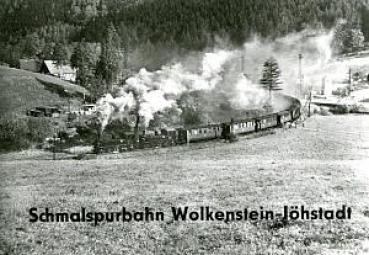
pixel 64 72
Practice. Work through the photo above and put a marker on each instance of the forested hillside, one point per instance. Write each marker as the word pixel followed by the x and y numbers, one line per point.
pixel 98 36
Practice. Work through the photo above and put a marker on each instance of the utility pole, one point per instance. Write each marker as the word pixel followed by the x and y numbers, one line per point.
pixel 349 82
pixel 54 138
pixel 300 75
pixel 242 64
pixel 309 112
pixel 97 125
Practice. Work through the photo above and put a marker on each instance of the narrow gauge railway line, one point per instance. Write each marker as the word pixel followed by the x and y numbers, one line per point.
pixel 180 149
pixel 228 131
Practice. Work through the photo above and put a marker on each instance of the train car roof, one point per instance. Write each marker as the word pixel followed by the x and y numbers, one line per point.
pixel 281 112
pixel 204 126
pixel 46 107
pixel 243 119
pixel 266 116
pixel 236 120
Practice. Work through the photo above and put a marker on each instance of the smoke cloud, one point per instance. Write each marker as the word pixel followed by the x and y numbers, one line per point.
pixel 226 76
pixel 151 92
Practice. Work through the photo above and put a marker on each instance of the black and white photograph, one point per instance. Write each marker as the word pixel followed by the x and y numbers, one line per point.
pixel 184 127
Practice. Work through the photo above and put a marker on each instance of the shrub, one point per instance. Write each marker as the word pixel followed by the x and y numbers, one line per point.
pixel 341 92
pixel 344 109
pixel 355 109
pixel 21 133
pixel 324 111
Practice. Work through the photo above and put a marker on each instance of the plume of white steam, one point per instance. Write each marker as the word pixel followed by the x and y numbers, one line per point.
pixel 110 108
pixel 324 47
pixel 246 94
pixel 315 47
pixel 150 92
pixel 219 75
pixel 152 102
pixel 213 65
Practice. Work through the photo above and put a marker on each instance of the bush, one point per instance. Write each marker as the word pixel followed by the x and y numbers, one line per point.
pixel 341 92
pixel 324 111
pixel 22 133
pixel 355 109
pixel 340 109
pixel 344 109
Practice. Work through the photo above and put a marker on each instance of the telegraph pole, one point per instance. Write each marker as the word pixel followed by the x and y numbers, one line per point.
pixel 300 75
pixel 349 82
pixel 309 112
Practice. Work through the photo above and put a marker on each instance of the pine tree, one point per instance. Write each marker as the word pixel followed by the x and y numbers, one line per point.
pixel 107 66
pixel 80 61
pixel 348 38
pixel 60 54
pixel 271 77
pixel 33 45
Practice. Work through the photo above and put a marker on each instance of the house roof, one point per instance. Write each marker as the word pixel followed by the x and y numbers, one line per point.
pixel 58 69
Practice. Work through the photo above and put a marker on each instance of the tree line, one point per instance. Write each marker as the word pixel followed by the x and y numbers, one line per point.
pixel 97 36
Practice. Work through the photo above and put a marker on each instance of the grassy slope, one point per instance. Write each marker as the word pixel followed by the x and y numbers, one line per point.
pixel 294 167
pixel 22 90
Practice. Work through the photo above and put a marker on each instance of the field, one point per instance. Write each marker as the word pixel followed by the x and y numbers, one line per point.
pixel 22 90
pixel 322 164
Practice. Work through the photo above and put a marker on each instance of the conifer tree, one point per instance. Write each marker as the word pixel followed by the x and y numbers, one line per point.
pixel 80 61
pixel 32 45
pixel 60 54
pixel 107 66
pixel 271 77
pixel 348 38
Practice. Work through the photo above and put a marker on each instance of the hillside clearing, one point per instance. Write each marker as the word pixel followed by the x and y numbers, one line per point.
pixel 22 90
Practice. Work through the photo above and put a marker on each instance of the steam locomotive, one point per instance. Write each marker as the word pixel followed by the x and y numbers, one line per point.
pixel 225 130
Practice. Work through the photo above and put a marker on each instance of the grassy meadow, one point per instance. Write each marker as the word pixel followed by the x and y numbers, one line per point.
pixel 322 164
pixel 22 90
